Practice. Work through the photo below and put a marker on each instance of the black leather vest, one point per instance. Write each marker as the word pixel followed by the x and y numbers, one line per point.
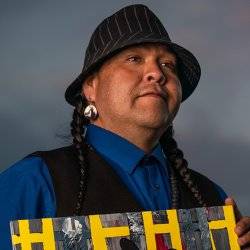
pixel 106 193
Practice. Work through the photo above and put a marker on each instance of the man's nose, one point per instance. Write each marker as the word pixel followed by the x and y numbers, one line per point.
pixel 154 73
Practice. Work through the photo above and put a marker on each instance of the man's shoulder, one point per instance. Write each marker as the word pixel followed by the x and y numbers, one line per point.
pixel 33 163
pixel 29 173
pixel 55 151
pixel 206 183
pixel 41 154
pixel 201 179
pixel 197 174
pixel 28 164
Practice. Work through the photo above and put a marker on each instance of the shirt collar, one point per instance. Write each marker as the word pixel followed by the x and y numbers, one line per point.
pixel 118 150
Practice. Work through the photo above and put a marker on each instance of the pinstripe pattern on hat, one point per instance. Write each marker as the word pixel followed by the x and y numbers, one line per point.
pixel 132 25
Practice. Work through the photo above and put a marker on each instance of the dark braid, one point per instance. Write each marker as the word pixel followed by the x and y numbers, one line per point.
pixel 77 129
pixel 179 165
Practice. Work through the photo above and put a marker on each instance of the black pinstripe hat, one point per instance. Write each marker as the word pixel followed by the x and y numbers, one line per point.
pixel 134 24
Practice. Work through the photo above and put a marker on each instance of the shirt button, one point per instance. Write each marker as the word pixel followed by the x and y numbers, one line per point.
pixel 157 187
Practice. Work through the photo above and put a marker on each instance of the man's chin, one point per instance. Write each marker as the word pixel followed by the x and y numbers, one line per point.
pixel 159 123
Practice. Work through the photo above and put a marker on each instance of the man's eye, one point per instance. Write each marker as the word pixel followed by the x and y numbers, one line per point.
pixel 134 59
pixel 169 66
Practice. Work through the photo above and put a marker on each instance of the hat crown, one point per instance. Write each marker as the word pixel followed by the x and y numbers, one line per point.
pixel 128 23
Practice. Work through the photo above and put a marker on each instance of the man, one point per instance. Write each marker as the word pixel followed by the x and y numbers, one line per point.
pixel 127 96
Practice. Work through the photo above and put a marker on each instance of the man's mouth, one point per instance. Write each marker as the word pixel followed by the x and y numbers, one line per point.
pixel 155 94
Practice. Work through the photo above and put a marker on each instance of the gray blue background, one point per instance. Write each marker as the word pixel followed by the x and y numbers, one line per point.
pixel 42 50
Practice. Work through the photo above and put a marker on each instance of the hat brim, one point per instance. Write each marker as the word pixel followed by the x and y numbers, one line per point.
pixel 189 68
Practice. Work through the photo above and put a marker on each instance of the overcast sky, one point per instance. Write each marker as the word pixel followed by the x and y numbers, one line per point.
pixel 42 51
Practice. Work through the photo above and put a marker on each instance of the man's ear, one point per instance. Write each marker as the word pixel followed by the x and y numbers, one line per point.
pixel 89 87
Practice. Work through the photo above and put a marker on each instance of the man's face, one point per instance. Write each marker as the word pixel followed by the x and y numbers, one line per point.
pixel 137 87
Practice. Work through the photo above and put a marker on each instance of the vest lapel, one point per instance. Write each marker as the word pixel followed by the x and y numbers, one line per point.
pixel 105 191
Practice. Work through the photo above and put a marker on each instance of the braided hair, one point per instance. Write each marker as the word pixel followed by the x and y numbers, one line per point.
pixel 178 164
pixel 77 130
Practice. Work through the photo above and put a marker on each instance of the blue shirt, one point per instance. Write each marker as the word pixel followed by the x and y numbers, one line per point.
pixel 26 189
pixel 145 175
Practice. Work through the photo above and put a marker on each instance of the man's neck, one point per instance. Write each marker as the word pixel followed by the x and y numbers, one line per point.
pixel 143 138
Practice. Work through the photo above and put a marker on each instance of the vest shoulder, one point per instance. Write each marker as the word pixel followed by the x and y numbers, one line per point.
pixel 209 189
pixel 57 151
pixel 200 177
pixel 59 159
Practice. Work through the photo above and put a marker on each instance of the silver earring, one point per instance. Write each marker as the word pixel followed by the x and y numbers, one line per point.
pixel 90 112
